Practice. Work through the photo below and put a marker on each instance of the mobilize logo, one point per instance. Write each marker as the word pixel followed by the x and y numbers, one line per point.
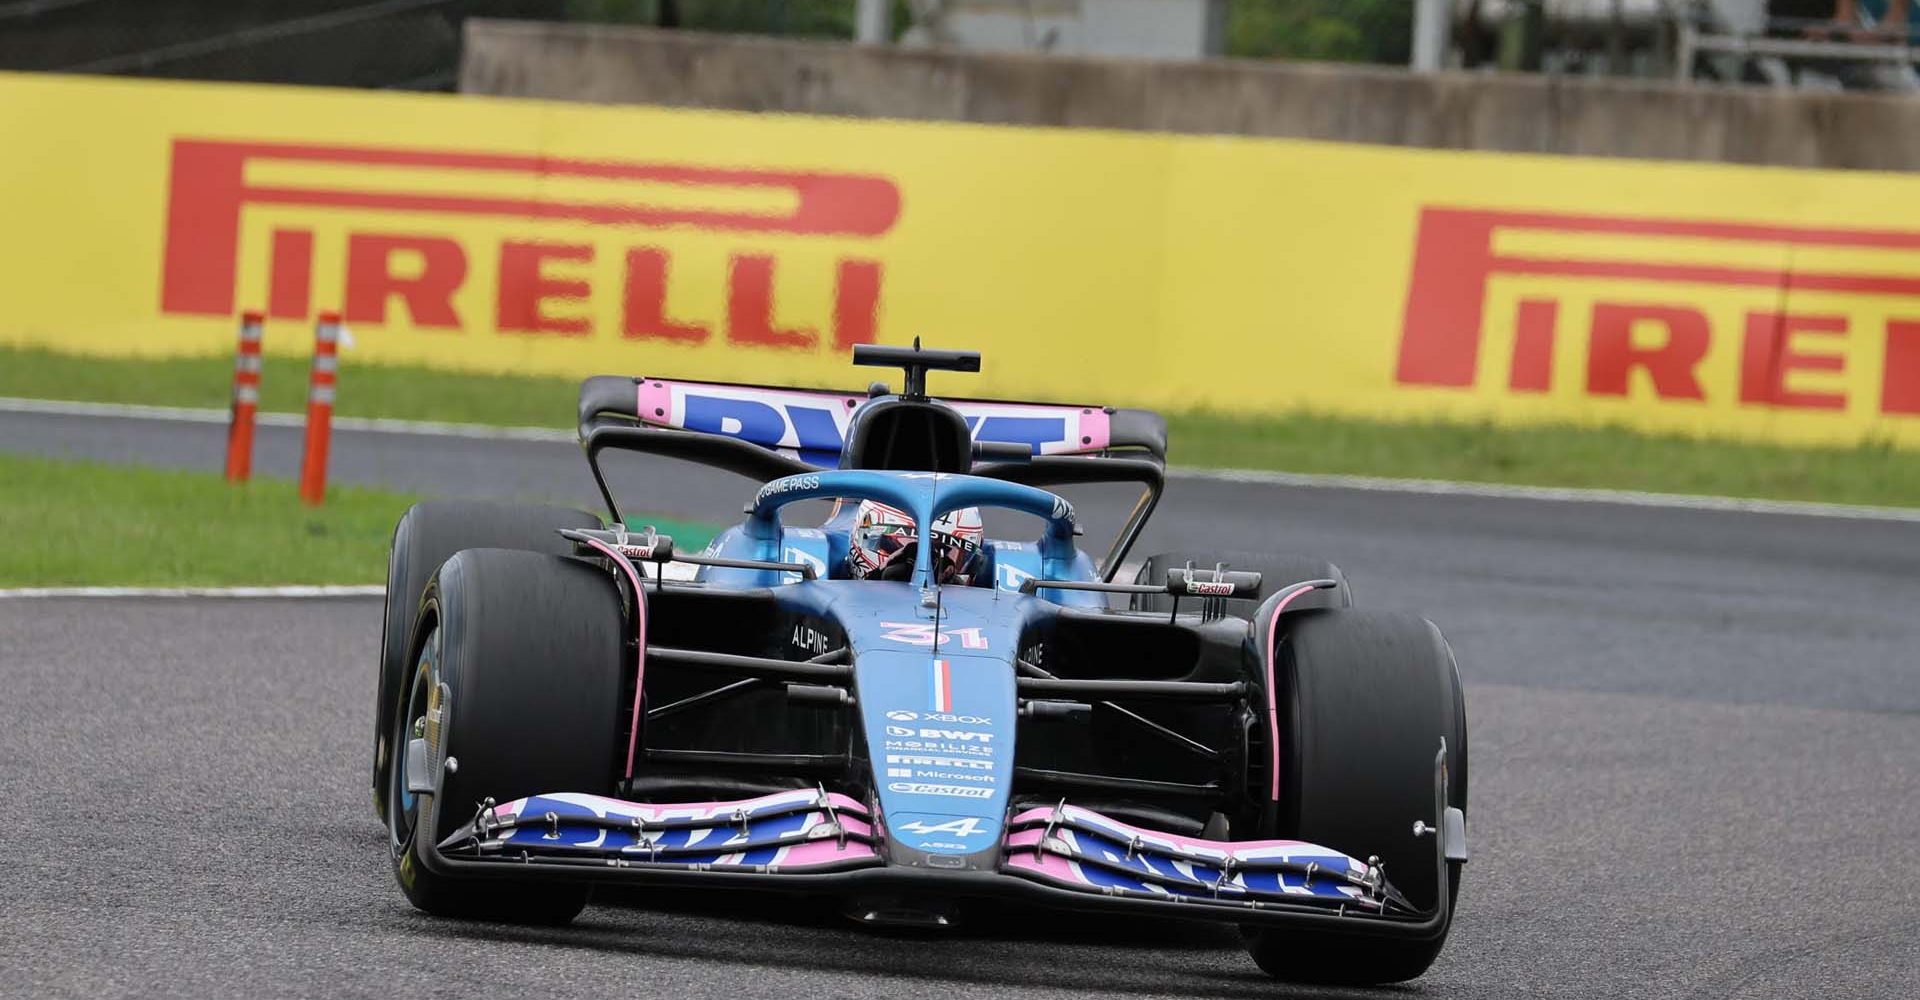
pixel 1456 256
pixel 940 747
pixel 393 252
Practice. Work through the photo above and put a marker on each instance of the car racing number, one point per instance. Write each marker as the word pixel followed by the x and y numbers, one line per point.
pixel 924 634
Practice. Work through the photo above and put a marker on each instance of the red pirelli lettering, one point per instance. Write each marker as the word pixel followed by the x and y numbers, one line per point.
pixel 750 306
pixel 1768 356
pixel 439 268
pixel 209 190
pixel 1900 382
pixel 1670 365
pixel 645 315
pixel 530 278
pixel 1455 259
pixel 1532 369
pixel 290 295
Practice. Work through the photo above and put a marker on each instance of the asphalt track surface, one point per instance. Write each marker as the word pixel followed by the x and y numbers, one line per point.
pixel 1695 739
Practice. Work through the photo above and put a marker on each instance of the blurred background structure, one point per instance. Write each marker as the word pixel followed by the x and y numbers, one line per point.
pixel 416 44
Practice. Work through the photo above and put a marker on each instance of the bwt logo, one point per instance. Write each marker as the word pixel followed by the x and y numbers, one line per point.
pixel 1455 258
pixel 210 190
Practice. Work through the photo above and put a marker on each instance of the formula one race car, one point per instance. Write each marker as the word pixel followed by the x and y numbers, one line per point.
pixel 892 710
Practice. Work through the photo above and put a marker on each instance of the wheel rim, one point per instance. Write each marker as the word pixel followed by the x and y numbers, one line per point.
pixel 408 724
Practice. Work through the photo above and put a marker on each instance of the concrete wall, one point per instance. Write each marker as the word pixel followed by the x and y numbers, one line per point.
pixel 1513 113
pixel 1168 29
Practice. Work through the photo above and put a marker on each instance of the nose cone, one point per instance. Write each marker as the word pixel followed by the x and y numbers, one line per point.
pixel 940 729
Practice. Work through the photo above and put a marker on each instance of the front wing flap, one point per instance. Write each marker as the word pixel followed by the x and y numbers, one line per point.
pixel 802 830
pixel 1077 848
pixel 811 840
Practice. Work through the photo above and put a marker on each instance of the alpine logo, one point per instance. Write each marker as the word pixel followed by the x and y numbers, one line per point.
pixel 971 826
pixel 809 638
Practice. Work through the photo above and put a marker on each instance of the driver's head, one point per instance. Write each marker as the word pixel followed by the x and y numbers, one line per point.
pixel 884 539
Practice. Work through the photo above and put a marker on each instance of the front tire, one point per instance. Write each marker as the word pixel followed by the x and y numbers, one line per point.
pixel 426 536
pixel 1364 699
pixel 519 657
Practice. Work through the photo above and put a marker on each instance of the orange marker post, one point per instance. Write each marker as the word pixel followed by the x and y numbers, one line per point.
pixel 320 385
pixel 246 398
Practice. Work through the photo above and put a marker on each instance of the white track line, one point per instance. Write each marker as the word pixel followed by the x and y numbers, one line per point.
pixel 273 593
pixel 1305 480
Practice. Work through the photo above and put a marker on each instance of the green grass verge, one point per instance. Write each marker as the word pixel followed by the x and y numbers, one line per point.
pixel 1611 458
pixel 1600 458
pixel 365 390
pixel 79 524
pixel 89 524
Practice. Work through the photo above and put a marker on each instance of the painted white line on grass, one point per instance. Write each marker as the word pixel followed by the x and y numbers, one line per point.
pixel 1304 480
pixel 275 593
pixel 208 415
pixel 1558 494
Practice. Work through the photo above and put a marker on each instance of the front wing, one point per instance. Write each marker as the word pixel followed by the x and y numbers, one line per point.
pixel 818 842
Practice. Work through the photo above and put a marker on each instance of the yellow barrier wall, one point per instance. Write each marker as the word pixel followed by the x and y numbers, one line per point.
pixel 1172 271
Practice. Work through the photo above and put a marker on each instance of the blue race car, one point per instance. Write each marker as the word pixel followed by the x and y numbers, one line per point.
pixel 892 709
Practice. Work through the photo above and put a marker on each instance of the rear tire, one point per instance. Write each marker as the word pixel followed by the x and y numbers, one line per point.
pixel 1275 572
pixel 1365 698
pixel 528 651
pixel 426 536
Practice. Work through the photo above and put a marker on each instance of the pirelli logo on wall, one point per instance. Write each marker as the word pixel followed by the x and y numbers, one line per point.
pixel 1801 317
pixel 398 208
pixel 1139 269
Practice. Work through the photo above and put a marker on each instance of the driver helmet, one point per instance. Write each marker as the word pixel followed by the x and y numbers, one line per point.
pixel 882 544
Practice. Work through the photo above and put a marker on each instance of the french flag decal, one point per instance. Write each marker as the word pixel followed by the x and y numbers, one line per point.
pixel 942 684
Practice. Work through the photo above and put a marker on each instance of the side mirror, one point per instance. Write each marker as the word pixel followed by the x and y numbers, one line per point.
pixel 1002 451
pixel 1190 582
pixel 644 546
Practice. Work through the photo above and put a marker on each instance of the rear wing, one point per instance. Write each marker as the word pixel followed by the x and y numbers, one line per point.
pixel 766 432
pixel 810 426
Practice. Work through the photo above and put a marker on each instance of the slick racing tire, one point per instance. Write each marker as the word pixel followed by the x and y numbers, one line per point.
pixel 428 533
pixel 1365 698
pixel 1275 572
pixel 519 658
